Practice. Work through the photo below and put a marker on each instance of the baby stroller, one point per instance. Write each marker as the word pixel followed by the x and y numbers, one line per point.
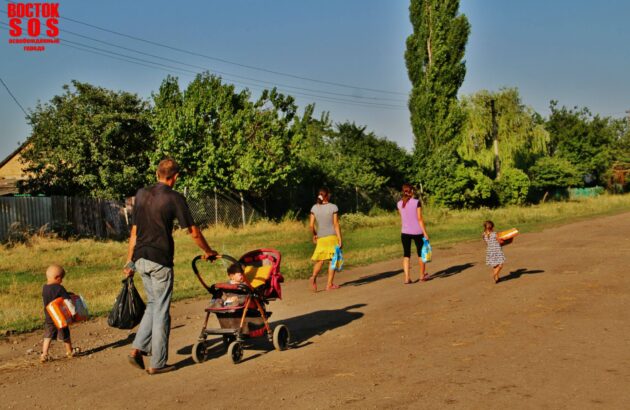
pixel 248 318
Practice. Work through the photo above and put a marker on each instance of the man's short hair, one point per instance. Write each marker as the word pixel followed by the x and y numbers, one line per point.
pixel 167 168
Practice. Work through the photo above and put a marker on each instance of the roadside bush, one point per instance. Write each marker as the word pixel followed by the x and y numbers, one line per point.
pixel 551 175
pixel 513 187
pixel 468 188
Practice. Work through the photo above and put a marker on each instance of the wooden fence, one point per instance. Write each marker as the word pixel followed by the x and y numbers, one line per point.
pixel 100 218
pixel 66 215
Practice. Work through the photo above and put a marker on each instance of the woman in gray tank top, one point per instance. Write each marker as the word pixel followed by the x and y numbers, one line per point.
pixel 326 236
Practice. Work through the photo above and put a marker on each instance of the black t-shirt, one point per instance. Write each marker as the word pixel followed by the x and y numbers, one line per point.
pixel 50 293
pixel 155 210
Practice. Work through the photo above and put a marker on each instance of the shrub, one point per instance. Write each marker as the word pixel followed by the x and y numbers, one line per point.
pixel 552 175
pixel 513 187
pixel 468 188
pixel 552 172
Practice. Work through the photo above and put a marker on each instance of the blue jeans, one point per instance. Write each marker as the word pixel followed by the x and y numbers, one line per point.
pixel 155 327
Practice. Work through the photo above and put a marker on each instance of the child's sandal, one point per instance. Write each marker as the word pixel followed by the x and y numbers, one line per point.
pixel 44 358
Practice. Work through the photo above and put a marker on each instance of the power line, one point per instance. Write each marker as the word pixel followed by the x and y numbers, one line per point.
pixel 13 96
pixel 226 73
pixel 86 49
pixel 144 62
pixel 170 68
pixel 181 50
pixel 222 73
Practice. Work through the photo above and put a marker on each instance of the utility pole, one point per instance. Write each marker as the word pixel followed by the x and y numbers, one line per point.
pixel 495 140
pixel 243 209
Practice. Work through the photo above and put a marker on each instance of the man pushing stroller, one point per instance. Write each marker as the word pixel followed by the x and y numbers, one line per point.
pixel 150 253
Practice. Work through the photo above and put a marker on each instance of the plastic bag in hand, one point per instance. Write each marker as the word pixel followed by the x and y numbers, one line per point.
pixel 128 308
pixel 337 259
pixel 426 252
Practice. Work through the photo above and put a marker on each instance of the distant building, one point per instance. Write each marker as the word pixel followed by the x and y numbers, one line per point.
pixel 11 172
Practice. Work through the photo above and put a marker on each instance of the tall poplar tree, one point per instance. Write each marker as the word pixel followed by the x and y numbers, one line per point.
pixel 436 68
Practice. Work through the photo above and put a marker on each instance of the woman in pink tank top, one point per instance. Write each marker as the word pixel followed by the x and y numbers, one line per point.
pixel 413 229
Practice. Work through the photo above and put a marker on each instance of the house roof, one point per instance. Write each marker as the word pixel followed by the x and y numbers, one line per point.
pixel 13 154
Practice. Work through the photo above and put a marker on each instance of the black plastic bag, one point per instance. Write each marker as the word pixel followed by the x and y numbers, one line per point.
pixel 128 308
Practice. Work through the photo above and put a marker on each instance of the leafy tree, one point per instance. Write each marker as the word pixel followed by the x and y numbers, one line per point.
pixel 583 139
pixel 513 187
pixel 621 139
pixel 223 140
pixel 522 137
pixel 434 57
pixel 453 183
pixel 385 159
pixel 351 162
pixel 197 128
pixel 551 173
pixel 88 141
pixel 617 177
pixel 312 157
pixel 469 188
pixel 267 144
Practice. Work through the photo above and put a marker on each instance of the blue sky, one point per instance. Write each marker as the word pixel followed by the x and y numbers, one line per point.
pixel 572 51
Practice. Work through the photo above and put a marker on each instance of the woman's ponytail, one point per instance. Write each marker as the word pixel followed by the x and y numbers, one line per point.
pixel 322 195
pixel 407 194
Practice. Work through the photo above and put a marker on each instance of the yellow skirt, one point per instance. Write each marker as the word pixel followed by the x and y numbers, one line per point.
pixel 325 248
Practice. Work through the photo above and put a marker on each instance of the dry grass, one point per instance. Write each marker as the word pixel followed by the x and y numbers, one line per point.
pixel 94 268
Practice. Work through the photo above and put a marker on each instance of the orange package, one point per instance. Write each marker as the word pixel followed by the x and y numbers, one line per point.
pixel 60 313
pixel 509 234
pixel 66 311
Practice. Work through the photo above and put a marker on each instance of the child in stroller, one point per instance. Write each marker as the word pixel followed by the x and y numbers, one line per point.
pixel 237 275
pixel 254 281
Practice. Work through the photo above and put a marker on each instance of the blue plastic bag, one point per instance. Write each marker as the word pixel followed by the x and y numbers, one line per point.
pixel 337 259
pixel 426 251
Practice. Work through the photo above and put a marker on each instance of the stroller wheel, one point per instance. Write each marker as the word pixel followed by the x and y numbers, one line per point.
pixel 281 337
pixel 227 339
pixel 235 352
pixel 199 351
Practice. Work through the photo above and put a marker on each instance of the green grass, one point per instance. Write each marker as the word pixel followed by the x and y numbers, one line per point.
pixel 94 267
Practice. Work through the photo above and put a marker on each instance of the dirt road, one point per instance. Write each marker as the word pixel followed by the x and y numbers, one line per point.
pixel 553 334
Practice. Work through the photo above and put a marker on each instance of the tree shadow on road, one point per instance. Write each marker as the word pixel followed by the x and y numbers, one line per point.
pixel 302 329
pixel 515 274
pixel 453 270
pixel 364 280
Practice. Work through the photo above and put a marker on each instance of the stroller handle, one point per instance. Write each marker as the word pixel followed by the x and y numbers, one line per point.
pixel 196 270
